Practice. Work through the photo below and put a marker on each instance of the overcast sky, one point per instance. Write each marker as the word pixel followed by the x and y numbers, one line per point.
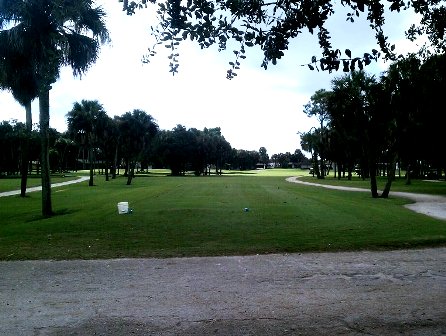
pixel 257 108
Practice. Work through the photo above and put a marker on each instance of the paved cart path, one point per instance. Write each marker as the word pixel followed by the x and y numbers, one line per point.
pixel 34 189
pixel 430 205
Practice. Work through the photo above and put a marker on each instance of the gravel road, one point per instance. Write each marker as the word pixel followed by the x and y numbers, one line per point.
pixel 352 293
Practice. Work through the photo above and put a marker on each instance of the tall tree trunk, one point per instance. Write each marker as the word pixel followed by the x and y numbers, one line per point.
pixel 127 167
pixel 44 116
pixel 107 164
pixel 115 163
pixel 390 178
pixel 373 182
pixel 24 166
pixel 316 166
pixel 408 175
pixel 322 170
pixel 25 150
pixel 90 162
pixel 131 172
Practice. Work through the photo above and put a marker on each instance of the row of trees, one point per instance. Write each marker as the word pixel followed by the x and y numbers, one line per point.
pixel 367 122
pixel 132 141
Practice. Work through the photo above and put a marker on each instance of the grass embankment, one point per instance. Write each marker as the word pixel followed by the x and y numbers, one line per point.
pixel 197 216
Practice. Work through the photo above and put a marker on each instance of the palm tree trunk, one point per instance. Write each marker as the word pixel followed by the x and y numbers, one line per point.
pixel 390 178
pixel 115 163
pixel 131 172
pixel 24 167
pixel 25 151
pixel 90 161
pixel 44 115
pixel 408 177
pixel 373 182
pixel 107 165
pixel 316 165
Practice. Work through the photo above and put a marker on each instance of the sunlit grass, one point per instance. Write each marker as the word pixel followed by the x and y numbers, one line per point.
pixel 198 216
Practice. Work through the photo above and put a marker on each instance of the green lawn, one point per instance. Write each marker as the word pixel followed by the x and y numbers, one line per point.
pixel 198 216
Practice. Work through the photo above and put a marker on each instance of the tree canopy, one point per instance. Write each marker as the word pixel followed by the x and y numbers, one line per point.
pixel 85 120
pixel 46 35
pixel 271 25
pixel 373 123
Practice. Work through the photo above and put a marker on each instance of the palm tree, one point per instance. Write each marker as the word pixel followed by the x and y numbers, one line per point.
pixel 52 33
pixel 137 130
pixel 86 119
pixel 18 76
pixel 108 133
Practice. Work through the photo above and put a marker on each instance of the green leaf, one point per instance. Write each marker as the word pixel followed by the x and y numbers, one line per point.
pixel 336 65
pixel 348 53
pixel 353 65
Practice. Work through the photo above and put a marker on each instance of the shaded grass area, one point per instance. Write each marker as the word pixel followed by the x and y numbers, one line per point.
pixel 437 187
pixel 190 216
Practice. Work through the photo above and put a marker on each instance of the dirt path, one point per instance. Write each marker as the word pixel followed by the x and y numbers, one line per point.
pixel 357 293
pixel 34 189
pixel 431 205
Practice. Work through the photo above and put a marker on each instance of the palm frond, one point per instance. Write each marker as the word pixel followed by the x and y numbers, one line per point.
pixel 80 52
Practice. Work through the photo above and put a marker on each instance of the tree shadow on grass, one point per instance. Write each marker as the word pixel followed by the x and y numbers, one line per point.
pixel 57 213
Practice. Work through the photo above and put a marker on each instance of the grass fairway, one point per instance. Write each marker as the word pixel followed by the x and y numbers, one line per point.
pixel 198 216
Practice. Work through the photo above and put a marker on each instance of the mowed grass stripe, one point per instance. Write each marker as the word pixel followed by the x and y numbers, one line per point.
pixel 190 216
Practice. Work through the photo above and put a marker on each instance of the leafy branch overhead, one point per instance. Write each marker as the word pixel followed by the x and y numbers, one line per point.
pixel 348 63
pixel 271 25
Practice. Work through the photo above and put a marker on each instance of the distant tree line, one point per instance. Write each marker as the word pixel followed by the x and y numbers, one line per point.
pixel 129 143
pixel 372 125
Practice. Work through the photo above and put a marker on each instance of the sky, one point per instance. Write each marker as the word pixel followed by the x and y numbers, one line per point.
pixel 259 108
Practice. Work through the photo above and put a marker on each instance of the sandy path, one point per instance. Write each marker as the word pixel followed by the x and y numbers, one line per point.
pixel 431 205
pixel 352 293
